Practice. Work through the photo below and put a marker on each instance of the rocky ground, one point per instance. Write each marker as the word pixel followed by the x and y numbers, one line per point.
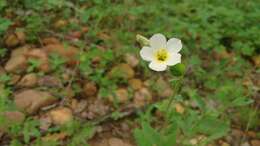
pixel 50 98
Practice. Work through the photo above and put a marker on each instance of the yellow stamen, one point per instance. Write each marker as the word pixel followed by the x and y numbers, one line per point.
pixel 161 55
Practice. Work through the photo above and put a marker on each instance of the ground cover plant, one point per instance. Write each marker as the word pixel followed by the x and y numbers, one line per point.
pixel 77 73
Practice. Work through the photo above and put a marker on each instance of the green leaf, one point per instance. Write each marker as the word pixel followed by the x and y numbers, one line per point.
pixel 2 52
pixel 140 138
pixel 2 4
pixel 33 64
pixel 212 126
pixel 241 101
pixel 85 16
pixel 148 136
pixel 30 129
pixel 4 78
pixel 4 24
pixel 57 61
pixel 197 99
pixel 81 136
pixel 16 142
pixel 170 137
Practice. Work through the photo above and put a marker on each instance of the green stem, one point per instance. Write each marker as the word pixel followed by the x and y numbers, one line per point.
pixel 176 89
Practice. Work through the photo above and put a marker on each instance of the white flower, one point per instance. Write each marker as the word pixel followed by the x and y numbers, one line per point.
pixel 162 53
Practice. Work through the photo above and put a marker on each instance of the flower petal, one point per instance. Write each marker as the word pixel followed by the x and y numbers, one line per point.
pixel 158 41
pixel 156 66
pixel 147 53
pixel 174 58
pixel 174 45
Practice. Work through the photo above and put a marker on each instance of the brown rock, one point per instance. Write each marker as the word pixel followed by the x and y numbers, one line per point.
pixel 179 108
pixel 14 116
pixel 90 89
pixel 16 64
pixel 125 126
pixel 50 81
pixel 33 100
pixel 117 142
pixel 96 109
pixel 98 142
pixel 122 70
pixel 136 84
pixel 68 52
pixel 41 55
pixel 142 97
pixel 245 144
pixel 21 36
pixel 252 134
pixel 21 51
pixel 61 116
pixel 60 23
pixel 256 60
pixel 225 144
pixel 121 96
pixel 1 133
pixel 194 141
pixel 10 118
pixel 84 29
pixel 255 142
pixel 50 40
pixel 11 40
pixel 14 79
pixel 237 133
pixel 18 61
pixel 28 80
pixel 74 104
pixel 67 75
pixel 45 122
pixel 131 60
pixel 148 83
pixel 78 106
pixel 68 92
pixel 15 39
pixel 2 71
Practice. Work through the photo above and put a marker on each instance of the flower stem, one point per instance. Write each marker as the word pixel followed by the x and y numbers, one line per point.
pixel 176 90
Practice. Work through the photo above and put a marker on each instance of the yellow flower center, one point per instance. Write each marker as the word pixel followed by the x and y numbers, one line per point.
pixel 161 55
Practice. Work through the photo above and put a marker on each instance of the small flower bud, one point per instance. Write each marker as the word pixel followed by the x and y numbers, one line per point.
pixel 178 69
pixel 142 40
